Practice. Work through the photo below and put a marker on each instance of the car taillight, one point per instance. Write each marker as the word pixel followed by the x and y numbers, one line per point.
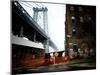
pixel 51 59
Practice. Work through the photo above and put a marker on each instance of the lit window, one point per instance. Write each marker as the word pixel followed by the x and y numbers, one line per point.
pixel 73 17
pixel 74 30
pixel 68 35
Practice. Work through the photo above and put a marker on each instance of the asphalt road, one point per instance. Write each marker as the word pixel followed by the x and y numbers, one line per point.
pixel 58 68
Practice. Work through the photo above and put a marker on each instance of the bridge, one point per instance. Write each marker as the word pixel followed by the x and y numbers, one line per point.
pixel 39 34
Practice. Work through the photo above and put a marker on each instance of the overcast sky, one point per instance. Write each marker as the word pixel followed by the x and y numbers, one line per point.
pixel 56 26
pixel 56 20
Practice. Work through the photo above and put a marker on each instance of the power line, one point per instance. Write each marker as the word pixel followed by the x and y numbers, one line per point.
pixel 42 5
pixel 37 4
pixel 32 5
pixel 26 5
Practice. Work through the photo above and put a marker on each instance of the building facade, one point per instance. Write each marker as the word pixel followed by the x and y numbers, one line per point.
pixel 80 30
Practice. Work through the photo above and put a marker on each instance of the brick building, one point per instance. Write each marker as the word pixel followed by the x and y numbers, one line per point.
pixel 80 30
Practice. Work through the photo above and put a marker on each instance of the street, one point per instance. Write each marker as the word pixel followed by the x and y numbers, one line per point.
pixel 82 64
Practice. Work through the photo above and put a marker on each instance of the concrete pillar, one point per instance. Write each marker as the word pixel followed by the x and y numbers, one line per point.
pixel 35 15
pixel 34 37
pixel 46 46
pixel 21 32
pixel 45 19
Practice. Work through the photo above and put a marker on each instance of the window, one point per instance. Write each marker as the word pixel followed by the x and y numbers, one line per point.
pixel 72 8
pixel 80 9
pixel 81 19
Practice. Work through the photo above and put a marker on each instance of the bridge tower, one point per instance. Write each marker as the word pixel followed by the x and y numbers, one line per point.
pixel 44 21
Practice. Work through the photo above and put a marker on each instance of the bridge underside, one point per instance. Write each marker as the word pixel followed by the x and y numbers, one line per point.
pixel 31 30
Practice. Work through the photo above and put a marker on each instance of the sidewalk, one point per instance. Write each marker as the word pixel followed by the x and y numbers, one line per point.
pixel 82 63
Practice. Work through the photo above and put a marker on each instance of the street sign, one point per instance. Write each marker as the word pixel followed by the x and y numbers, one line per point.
pixel 56 54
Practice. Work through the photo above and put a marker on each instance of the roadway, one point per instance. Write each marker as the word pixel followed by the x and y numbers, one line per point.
pixel 82 64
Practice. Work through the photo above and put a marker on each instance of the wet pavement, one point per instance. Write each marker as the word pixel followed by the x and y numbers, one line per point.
pixel 67 66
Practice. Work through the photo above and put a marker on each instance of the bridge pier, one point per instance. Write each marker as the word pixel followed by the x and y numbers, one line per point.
pixel 46 46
